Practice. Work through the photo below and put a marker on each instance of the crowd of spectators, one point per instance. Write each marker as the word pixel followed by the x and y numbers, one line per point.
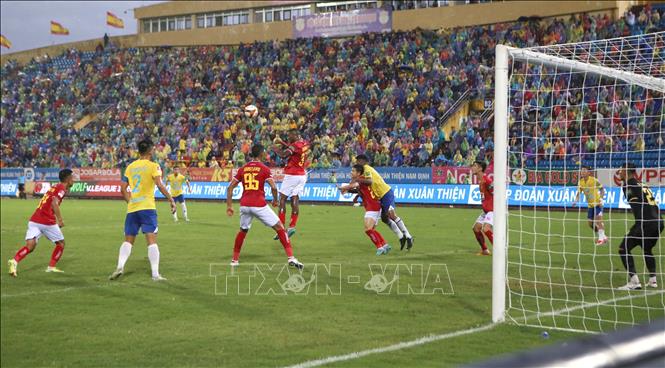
pixel 385 95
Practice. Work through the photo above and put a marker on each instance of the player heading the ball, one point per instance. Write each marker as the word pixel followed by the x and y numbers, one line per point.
pixel 295 175
pixel 140 178
pixel 46 220
pixel 253 177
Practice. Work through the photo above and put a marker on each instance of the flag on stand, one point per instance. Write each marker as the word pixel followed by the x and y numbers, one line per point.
pixel 58 29
pixel 113 21
pixel 4 42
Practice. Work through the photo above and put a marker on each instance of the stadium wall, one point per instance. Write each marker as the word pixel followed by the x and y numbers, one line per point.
pixel 430 18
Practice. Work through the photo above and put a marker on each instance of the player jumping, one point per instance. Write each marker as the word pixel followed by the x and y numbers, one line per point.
pixel 372 209
pixel 176 180
pixel 646 230
pixel 46 220
pixel 295 175
pixel 140 177
pixel 594 192
pixel 485 221
pixel 253 177
pixel 386 196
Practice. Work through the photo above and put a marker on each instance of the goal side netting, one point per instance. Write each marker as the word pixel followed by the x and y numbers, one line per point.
pixel 562 111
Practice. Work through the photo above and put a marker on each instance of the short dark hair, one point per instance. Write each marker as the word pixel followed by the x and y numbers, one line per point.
pixel 257 150
pixel 482 164
pixel 362 157
pixel 359 168
pixel 630 167
pixel 145 146
pixel 64 174
pixel 585 167
pixel 294 130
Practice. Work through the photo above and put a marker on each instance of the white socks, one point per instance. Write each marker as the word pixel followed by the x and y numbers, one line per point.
pixel 402 227
pixel 601 234
pixel 184 210
pixel 125 251
pixel 395 229
pixel 153 256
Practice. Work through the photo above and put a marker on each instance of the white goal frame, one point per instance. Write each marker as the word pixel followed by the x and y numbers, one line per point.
pixel 501 84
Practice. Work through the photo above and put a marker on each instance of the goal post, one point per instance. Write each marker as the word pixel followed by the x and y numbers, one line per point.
pixel 500 183
pixel 547 271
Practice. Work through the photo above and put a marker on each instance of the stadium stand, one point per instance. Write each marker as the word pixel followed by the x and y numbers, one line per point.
pixel 387 95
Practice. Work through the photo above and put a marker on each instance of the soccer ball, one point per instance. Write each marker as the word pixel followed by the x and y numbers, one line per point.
pixel 251 111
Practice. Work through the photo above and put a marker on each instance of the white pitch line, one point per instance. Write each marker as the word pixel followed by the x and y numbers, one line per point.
pixel 639 294
pixel 432 338
pixel 399 346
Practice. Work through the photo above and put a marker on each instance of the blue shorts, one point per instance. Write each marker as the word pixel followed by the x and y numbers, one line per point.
pixel 146 220
pixel 179 199
pixel 594 211
pixel 388 201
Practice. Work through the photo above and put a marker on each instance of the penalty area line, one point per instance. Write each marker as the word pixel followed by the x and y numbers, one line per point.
pixel 399 346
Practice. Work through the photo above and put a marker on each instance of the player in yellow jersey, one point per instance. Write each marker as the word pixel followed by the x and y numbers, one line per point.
pixel 385 194
pixel 138 189
pixel 594 192
pixel 176 181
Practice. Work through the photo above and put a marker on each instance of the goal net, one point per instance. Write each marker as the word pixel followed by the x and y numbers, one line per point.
pixel 559 109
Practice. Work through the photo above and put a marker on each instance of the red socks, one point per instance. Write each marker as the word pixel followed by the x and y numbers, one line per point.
pixel 294 220
pixel 481 239
pixel 376 238
pixel 240 238
pixel 55 256
pixel 490 235
pixel 286 243
pixel 282 217
pixel 21 254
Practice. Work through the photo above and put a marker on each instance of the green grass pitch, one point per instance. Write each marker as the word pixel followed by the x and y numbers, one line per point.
pixel 80 319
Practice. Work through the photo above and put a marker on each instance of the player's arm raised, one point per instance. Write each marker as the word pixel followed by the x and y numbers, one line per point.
pixel 56 211
pixel 281 152
pixel 165 193
pixel 229 196
pixel 273 189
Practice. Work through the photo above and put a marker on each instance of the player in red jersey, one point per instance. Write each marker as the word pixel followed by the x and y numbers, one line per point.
pixel 295 175
pixel 485 221
pixel 372 209
pixel 253 177
pixel 46 220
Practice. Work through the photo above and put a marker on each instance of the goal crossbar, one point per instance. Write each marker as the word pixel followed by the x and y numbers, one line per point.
pixel 534 57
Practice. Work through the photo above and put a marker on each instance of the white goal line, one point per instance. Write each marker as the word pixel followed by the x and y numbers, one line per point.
pixel 432 338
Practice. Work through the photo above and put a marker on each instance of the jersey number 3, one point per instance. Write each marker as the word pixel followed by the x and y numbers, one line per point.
pixel 250 182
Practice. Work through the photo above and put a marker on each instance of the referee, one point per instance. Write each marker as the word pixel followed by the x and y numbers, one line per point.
pixel 646 230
